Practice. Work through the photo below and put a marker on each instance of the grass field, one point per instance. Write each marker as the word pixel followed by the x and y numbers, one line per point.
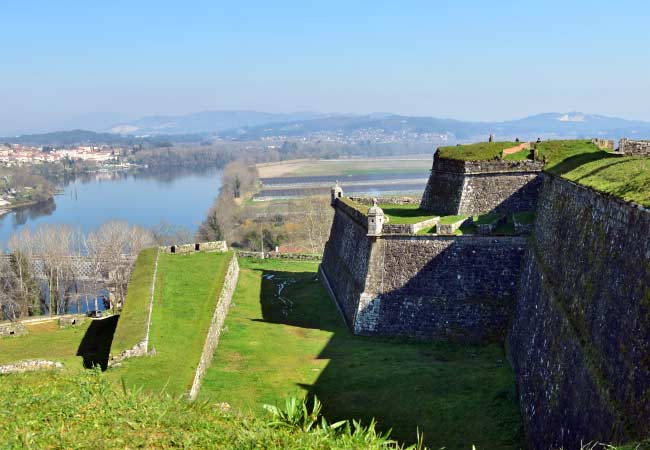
pixel 187 287
pixel 295 343
pixel 132 326
pixel 343 167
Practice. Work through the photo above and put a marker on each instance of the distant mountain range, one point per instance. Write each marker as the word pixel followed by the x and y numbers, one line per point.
pixel 251 125
pixel 546 126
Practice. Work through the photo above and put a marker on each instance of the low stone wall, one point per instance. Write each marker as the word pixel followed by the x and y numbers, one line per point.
pixel 213 246
pixel 218 318
pixel 274 255
pixel 71 321
pixel 31 365
pixel 409 228
pixel 634 148
pixel 386 200
pixel 12 329
pixel 477 187
pixel 580 337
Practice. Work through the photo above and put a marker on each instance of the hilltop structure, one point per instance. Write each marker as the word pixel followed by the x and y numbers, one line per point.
pixel 571 300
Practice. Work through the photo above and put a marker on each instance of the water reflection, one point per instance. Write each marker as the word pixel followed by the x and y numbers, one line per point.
pixel 144 197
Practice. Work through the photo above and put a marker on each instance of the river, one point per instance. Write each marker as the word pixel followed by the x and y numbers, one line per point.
pixel 145 198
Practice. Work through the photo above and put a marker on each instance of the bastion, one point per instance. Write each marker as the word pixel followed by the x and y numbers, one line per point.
pixel 429 286
pixel 468 187
pixel 572 299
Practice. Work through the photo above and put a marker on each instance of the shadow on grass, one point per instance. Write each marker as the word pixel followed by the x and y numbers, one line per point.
pixel 573 162
pixel 457 395
pixel 96 343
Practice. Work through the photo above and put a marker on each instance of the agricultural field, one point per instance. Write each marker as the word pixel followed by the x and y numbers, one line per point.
pixel 344 167
pixel 284 336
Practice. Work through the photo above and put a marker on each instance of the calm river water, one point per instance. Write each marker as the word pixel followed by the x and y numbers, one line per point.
pixel 143 198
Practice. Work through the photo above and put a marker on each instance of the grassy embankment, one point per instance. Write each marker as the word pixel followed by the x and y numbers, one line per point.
pixel 132 325
pixel 187 287
pixel 295 342
pixel 626 177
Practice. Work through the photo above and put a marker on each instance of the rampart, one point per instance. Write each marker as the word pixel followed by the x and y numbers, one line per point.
pixel 579 342
pixel 634 148
pixel 218 318
pixel 475 187
pixel 457 288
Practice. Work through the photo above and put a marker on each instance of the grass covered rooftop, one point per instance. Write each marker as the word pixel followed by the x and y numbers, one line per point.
pixel 481 151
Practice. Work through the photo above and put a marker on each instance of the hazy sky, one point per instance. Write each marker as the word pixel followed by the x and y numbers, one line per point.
pixel 481 60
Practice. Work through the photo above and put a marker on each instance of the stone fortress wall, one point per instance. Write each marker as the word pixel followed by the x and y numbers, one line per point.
pixel 458 288
pixel 574 298
pixel 634 147
pixel 580 338
pixel 475 187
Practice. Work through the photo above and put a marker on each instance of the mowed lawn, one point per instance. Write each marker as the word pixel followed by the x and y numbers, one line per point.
pixel 46 341
pixel 187 288
pixel 285 337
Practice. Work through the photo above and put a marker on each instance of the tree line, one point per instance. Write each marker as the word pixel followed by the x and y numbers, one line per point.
pixel 39 274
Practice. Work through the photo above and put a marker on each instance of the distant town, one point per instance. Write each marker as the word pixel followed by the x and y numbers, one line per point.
pixel 18 154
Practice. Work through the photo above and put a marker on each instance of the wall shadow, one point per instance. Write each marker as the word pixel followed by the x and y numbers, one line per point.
pixel 455 394
pixel 95 346
pixel 573 162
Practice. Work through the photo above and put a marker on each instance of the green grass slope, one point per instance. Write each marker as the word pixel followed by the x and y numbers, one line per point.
pixel 187 288
pixel 132 325
pixel 480 151
pixel 53 411
pixel 285 337
pixel 625 177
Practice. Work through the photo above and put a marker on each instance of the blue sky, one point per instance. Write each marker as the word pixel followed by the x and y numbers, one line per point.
pixel 467 60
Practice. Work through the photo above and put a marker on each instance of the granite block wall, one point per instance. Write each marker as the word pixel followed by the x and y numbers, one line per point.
pixel 580 339
pixel 476 187
pixel 457 288
pixel 345 258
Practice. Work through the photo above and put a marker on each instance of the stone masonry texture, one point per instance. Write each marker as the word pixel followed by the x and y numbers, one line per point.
pixel 458 288
pixel 476 187
pixel 580 338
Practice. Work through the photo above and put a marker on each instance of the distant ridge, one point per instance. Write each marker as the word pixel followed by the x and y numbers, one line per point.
pixel 252 125
pixel 547 125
